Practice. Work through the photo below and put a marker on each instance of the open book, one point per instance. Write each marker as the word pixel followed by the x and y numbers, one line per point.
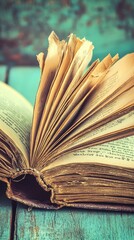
pixel 76 148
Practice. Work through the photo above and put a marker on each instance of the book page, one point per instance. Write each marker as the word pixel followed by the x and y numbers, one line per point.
pixel 117 153
pixel 106 113
pixel 15 118
pixel 68 77
pixel 115 129
pixel 51 65
pixel 97 105
pixel 111 86
pixel 109 110
pixel 99 123
pixel 74 55
pixel 118 74
pixel 77 98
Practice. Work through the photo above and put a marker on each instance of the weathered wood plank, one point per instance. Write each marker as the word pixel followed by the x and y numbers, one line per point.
pixel 72 224
pixel 5 214
pixel 25 80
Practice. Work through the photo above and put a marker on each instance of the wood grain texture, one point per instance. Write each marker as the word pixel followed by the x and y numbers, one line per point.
pixel 5 214
pixel 72 224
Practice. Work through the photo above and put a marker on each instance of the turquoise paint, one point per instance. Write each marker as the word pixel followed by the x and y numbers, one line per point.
pixel 26 25
pixel 5 214
pixel 72 224
pixel 25 80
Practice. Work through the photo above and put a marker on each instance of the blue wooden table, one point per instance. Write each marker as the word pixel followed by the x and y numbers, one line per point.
pixel 19 222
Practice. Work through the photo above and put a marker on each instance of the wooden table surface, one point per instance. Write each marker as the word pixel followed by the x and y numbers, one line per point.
pixel 19 222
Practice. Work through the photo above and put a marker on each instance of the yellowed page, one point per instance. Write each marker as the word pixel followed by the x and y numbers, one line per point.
pixel 51 64
pixel 54 96
pixel 79 95
pixel 105 114
pixel 114 107
pixel 16 119
pixel 109 111
pixel 79 60
pixel 109 131
pixel 99 110
pixel 74 73
pixel 119 128
pixel 118 74
pixel 116 153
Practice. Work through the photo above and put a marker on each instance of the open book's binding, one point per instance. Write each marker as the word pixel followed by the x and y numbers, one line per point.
pixel 47 204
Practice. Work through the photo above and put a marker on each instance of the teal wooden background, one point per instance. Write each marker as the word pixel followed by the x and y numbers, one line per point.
pixel 26 24
pixel 24 29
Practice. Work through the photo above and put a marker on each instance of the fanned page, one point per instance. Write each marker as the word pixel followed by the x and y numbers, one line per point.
pixel 80 107
pixel 15 125
pixel 115 153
